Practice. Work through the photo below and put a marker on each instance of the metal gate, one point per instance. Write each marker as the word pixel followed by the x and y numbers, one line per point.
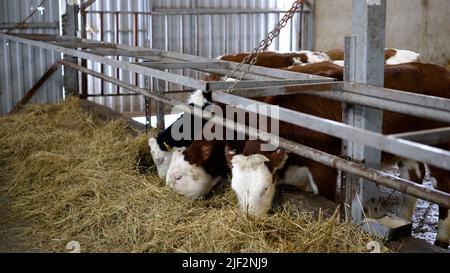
pixel 201 28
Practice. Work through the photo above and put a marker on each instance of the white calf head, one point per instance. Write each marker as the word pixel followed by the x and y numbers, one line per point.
pixel 160 158
pixel 189 179
pixel 253 180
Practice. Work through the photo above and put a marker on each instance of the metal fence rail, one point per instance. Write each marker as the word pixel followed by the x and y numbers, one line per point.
pixel 381 178
pixel 207 32
pixel 437 157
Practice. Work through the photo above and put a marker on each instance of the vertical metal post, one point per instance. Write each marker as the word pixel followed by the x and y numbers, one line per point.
pixel 70 27
pixel 364 64
pixel 102 66
pixel 158 89
pixel 136 43
pixel 84 62
pixel 301 34
pixel 148 81
pixel 310 27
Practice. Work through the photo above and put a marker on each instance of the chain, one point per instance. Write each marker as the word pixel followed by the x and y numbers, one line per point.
pixel 252 58
pixel 147 114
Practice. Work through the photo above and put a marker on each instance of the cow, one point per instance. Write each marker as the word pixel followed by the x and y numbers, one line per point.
pixel 207 166
pixel 274 59
pixel 162 147
pixel 392 56
pixel 412 77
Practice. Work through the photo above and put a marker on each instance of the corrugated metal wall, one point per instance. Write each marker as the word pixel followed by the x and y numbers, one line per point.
pixel 21 65
pixel 203 35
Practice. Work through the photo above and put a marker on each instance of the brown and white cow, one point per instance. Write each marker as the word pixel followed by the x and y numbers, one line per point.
pixel 392 56
pixel 274 59
pixel 413 77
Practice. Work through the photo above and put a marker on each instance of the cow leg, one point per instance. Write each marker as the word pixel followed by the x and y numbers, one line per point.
pixel 415 172
pixel 324 177
pixel 301 178
pixel 443 184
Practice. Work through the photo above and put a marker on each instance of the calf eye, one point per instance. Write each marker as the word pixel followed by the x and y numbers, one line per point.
pixel 161 160
pixel 264 191
pixel 178 177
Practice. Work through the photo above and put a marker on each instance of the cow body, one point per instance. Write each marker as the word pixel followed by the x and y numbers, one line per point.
pixel 392 56
pixel 274 59
pixel 413 77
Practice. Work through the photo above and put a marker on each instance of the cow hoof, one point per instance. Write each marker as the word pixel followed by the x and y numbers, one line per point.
pixel 441 244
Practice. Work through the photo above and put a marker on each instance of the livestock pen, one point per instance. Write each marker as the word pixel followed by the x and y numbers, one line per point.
pixel 163 65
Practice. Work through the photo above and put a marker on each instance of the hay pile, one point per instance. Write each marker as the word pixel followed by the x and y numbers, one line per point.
pixel 71 177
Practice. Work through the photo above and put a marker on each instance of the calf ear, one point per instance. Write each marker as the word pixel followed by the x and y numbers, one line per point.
pixel 229 154
pixel 277 160
pixel 206 150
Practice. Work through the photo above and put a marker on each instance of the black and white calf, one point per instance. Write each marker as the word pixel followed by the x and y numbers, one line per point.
pixel 165 144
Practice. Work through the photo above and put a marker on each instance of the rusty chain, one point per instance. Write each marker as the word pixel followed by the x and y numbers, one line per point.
pixel 252 57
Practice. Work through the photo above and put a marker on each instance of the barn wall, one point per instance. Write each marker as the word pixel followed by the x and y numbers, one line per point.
pixel 21 65
pixel 419 25
pixel 202 35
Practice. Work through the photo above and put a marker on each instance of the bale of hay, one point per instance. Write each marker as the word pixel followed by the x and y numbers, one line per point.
pixel 71 177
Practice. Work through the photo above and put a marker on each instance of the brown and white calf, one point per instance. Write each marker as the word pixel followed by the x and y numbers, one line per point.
pixel 413 77
pixel 392 56
pixel 274 59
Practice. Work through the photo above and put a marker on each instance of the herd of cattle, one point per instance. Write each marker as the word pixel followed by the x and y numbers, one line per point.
pixel 194 167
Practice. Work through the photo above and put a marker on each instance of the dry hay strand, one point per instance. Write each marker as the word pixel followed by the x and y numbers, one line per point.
pixel 71 177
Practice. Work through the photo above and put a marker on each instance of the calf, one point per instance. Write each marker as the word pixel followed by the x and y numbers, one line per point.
pixel 161 147
pixel 274 60
pixel 392 56
pixel 206 164
pixel 414 77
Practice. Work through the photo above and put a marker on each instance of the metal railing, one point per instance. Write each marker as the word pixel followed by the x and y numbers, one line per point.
pixel 402 147
pixel 137 28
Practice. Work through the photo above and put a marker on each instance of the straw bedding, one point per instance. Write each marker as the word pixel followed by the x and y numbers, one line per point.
pixel 72 177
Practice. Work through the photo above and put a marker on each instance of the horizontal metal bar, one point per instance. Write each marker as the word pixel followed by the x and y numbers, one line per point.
pixel 144 55
pixel 431 155
pixel 390 181
pixel 179 79
pixel 50 25
pixel 183 65
pixel 429 137
pixel 265 91
pixel 397 95
pixel 221 85
pixel 323 90
pixel 117 52
pixel 84 45
pixel 134 94
pixel 162 12
pixel 257 71
pixel 163 56
pixel 208 11
pixel 386 104
pixel 112 95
